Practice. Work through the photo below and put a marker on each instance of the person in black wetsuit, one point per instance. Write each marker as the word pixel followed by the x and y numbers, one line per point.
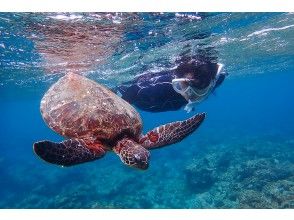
pixel 190 82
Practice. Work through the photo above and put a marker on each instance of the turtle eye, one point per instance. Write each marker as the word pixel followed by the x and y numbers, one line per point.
pixel 137 157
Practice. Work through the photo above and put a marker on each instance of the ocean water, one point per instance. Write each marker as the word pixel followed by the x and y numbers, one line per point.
pixel 242 156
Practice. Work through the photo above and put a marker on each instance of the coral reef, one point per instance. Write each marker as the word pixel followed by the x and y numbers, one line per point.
pixel 253 175
pixel 201 175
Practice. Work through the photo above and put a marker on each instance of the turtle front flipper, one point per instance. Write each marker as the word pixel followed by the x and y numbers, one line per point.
pixel 67 153
pixel 171 133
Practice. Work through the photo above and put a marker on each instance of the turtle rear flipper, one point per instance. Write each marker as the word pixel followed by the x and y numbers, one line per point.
pixel 67 153
pixel 171 133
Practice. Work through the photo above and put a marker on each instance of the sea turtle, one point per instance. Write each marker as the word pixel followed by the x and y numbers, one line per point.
pixel 95 120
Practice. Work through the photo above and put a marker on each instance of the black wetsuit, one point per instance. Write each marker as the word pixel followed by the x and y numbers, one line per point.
pixel 153 92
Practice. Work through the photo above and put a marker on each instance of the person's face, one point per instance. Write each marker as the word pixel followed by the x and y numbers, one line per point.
pixel 193 80
pixel 190 85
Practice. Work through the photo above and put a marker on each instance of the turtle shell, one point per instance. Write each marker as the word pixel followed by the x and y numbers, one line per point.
pixel 77 107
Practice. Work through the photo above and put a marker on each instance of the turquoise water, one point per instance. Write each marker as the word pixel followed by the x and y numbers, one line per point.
pixel 242 156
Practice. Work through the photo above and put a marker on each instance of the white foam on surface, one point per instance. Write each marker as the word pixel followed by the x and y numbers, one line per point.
pixel 263 31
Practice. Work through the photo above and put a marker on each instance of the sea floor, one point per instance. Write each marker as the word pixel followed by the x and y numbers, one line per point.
pixel 248 173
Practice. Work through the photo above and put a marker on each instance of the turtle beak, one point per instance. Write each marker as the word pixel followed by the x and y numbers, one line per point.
pixel 141 161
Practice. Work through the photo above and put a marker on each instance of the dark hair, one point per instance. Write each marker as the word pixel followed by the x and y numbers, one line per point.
pixel 199 68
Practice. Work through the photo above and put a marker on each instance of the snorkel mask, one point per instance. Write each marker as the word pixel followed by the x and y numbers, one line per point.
pixel 193 95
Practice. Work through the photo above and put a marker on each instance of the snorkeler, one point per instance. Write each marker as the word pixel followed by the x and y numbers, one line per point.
pixel 189 83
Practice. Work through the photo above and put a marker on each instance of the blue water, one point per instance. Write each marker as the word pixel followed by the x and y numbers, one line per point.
pixel 242 156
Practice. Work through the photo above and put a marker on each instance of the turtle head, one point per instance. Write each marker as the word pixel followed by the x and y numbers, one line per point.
pixel 132 154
